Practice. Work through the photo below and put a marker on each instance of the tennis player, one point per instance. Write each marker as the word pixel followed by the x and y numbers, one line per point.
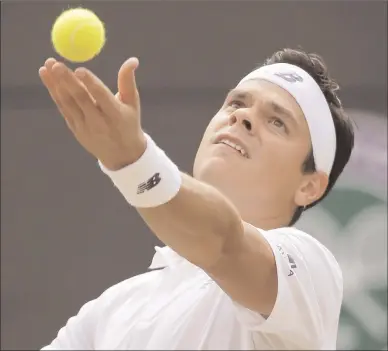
pixel 236 274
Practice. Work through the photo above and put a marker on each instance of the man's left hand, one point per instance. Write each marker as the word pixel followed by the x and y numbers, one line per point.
pixel 107 126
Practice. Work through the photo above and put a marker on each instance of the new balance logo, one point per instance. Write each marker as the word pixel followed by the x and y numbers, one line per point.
pixel 149 184
pixel 292 262
pixel 291 77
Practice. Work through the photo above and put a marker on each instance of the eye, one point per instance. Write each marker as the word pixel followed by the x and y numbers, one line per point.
pixel 236 104
pixel 278 123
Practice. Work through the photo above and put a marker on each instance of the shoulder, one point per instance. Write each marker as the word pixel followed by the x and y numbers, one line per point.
pixel 309 291
pixel 121 293
pixel 311 253
pixel 298 238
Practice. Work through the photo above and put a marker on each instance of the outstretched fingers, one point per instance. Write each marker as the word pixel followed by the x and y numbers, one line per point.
pixel 104 98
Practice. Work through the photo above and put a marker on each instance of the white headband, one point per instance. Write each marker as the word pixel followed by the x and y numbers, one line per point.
pixel 311 100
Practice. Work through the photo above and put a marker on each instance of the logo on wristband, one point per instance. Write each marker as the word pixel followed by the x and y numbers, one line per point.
pixel 149 184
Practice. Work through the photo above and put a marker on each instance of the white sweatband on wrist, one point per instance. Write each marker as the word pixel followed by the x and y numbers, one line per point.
pixel 312 102
pixel 151 181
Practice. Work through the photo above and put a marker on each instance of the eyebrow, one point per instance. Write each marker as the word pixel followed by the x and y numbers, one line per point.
pixel 239 94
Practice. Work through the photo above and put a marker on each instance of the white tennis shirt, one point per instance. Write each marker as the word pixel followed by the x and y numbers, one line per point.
pixel 180 308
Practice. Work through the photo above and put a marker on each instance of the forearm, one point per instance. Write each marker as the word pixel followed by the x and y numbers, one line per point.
pixel 197 223
pixel 191 217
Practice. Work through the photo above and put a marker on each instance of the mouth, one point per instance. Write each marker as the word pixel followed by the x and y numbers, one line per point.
pixel 234 144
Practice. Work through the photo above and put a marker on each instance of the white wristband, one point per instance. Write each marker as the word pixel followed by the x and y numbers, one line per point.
pixel 149 182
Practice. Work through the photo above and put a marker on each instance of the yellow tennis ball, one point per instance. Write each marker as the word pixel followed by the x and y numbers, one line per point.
pixel 78 35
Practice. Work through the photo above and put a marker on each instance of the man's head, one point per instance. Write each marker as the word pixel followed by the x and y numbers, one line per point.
pixel 275 176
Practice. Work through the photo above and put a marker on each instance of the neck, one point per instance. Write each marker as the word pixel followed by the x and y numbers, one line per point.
pixel 266 217
pixel 268 223
pixel 265 214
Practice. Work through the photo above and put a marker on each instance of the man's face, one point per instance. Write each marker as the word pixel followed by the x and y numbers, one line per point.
pixel 268 126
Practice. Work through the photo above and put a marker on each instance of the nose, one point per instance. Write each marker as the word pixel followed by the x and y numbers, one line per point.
pixel 241 116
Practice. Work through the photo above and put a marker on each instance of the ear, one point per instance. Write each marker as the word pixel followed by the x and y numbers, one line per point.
pixel 311 189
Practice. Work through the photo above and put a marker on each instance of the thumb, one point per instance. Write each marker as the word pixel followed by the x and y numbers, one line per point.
pixel 126 82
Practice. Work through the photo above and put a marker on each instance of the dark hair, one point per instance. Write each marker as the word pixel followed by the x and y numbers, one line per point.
pixel 315 66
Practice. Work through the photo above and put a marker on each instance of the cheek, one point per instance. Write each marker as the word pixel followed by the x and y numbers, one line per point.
pixel 287 168
pixel 215 125
pixel 280 159
pixel 218 122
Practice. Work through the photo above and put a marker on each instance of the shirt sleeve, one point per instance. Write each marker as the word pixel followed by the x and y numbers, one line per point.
pixel 78 333
pixel 310 286
pixel 85 330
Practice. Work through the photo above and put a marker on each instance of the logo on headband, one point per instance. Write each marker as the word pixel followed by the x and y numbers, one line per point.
pixel 290 77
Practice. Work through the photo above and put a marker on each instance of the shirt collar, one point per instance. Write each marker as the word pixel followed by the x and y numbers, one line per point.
pixel 165 257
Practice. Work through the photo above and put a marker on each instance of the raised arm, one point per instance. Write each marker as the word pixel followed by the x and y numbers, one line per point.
pixel 198 221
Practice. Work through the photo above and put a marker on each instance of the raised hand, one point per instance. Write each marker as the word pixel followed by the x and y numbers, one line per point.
pixel 108 126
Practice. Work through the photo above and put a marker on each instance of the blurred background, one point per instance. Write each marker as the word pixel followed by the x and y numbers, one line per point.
pixel 67 235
